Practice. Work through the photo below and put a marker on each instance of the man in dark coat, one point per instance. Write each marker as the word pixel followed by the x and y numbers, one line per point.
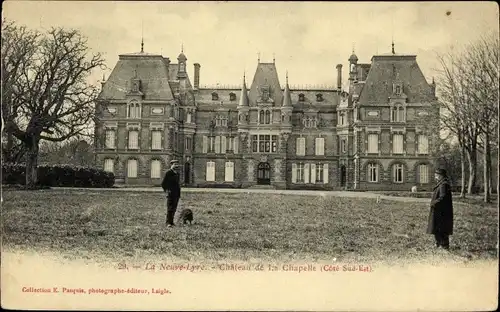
pixel 172 188
pixel 441 212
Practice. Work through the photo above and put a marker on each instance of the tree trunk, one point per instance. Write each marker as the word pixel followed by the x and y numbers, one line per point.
pixel 472 157
pixel 487 162
pixel 32 164
pixel 463 173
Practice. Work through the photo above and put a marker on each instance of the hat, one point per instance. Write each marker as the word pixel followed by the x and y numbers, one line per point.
pixel 441 172
pixel 174 161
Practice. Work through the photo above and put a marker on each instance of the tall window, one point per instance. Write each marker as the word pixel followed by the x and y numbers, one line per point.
pixel 398 113
pixel 134 110
pixel 268 117
pixel 188 117
pixel 372 172
pixel 423 144
pixel 373 143
pixel 188 143
pixel 155 169
pixel 320 146
pixel 301 147
pixel 110 138
pixel 343 146
pixel 229 173
pixel 300 172
pixel 210 174
pixel 423 174
pixel 397 144
pixel 220 144
pixel 397 173
pixel 319 173
pixel 109 165
pixel 133 139
pixel 261 116
pixel 156 140
pixel 132 168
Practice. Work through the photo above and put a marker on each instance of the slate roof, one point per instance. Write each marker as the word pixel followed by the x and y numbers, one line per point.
pixel 151 70
pixel 266 74
pixel 383 71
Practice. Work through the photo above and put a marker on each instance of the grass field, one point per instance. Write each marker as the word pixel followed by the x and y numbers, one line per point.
pixel 114 225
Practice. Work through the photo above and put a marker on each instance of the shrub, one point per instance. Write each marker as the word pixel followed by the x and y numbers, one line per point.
pixel 59 175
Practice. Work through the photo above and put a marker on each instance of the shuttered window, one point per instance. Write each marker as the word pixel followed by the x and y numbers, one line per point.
pixel 229 176
pixel 109 165
pixel 132 168
pixel 301 146
pixel 205 144
pixel 155 169
pixel 320 146
pixel 133 139
pixel 423 144
pixel 423 174
pixel 210 174
pixel 397 144
pixel 110 138
pixel 372 143
pixel 156 140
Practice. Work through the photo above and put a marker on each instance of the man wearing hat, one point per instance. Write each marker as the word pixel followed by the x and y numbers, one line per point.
pixel 172 188
pixel 441 212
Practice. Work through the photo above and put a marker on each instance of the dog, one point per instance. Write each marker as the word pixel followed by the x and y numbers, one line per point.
pixel 186 216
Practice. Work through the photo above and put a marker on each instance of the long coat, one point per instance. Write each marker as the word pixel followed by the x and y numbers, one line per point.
pixel 441 212
pixel 171 185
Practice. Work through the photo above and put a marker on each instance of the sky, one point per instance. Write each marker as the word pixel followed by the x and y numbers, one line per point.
pixel 307 39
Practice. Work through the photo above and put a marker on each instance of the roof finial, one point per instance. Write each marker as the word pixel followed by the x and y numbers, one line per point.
pixel 258 57
pixel 393 47
pixel 287 77
pixel 353 44
pixel 142 38
pixel 182 47
pixel 274 58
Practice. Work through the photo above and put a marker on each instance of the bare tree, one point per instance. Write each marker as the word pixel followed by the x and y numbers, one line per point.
pixel 45 93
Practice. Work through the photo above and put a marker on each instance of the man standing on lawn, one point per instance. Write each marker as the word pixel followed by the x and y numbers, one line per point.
pixel 172 188
pixel 441 212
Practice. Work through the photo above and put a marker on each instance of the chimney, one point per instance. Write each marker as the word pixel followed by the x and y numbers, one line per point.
pixel 339 76
pixel 196 76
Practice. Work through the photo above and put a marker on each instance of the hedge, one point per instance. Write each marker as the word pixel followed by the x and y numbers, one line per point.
pixel 59 175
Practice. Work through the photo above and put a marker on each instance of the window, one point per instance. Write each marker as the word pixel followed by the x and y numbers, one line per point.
pixel 423 174
pixel 156 140
pixel 397 173
pixel 205 144
pixel 132 168
pixel 301 147
pixel 210 174
pixel 188 144
pixel 398 113
pixel 264 143
pixel 229 176
pixel 221 121
pixel 372 143
pixel 134 110
pixel 398 90
pixel 268 117
pixel 301 97
pixel 109 165
pixel 232 96
pixel 155 169
pixel 220 144
pixel 215 96
pixel 341 119
pixel 372 173
pixel 319 173
pixel 133 139
pixel 319 97
pixel 300 172
pixel 320 146
pixel 110 138
pixel 423 144
pixel 397 144
pixel 343 146
pixel 188 117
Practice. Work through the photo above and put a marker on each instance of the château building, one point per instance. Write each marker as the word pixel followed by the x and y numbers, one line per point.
pixel 370 137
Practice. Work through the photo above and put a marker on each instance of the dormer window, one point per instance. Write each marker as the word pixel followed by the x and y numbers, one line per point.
pixel 301 97
pixel 398 89
pixel 134 110
pixel 265 117
pixel 232 96
pixel 398 113
pixel 319 97
pixel 182 67
pixel 221 121
pixel 215 96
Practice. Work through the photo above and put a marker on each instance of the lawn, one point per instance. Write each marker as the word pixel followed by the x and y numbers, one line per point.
pixel 116 225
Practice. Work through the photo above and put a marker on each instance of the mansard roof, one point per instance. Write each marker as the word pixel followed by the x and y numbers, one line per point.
pixel 150 69
pixel 383 73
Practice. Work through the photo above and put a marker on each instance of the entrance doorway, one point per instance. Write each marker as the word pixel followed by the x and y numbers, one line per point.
pixel 343 175
pixel 264 173
pixel 187 173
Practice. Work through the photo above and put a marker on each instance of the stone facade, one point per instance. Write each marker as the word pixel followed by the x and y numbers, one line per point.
pixel 364 138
